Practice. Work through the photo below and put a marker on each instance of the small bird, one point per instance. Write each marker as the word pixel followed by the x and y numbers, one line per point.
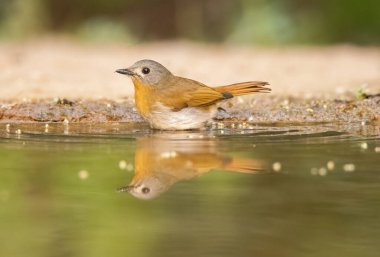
pixel 170 102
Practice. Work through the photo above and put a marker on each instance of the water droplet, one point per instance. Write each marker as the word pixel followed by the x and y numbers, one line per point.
pixel 364 146
pixel 83 174
pixel 322 171
pixel 330 165
pixel 276 166
pixel 349 167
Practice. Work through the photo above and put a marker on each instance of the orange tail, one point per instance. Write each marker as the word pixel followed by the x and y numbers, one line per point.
pixel 244 88
pixel 244 165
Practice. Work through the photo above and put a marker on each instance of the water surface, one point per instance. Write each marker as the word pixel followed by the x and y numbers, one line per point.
pixel 237 190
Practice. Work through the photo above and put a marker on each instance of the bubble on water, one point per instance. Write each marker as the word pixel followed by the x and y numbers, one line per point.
pixel 124 165
pixel 276 166
pixel 364 146
pixel 330 165
pixel 349 167
pixel 377 149
pixel 83 174
pixel 322 171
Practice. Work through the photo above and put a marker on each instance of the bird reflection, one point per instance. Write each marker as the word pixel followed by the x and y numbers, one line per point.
pixel 163 159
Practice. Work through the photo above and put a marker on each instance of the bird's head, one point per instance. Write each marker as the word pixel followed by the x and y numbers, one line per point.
pixel 146 72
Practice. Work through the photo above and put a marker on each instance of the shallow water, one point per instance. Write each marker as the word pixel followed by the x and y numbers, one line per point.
pixel 239 190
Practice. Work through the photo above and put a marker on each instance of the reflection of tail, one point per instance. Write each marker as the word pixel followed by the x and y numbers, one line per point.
pixel 245 88
pixel 243 165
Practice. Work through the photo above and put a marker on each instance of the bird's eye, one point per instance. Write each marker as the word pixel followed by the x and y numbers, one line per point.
pixel 145 190
pixel 145 70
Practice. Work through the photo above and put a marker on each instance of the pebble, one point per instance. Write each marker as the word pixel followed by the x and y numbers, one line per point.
pixel 18 131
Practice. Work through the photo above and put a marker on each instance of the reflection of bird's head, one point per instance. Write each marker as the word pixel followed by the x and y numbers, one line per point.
pixel 146 189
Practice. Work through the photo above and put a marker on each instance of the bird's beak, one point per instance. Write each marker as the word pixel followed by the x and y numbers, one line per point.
pixel 125 189
pixel 125 72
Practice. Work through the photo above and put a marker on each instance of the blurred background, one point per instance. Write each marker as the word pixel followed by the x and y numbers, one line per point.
pixel 303 48
pixel 270 22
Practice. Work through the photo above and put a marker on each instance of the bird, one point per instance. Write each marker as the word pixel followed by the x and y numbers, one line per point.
pixel 169 102
pixel 161 160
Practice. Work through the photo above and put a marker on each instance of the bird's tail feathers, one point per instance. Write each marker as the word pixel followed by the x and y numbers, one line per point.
pixel 245 88
pixel 242 165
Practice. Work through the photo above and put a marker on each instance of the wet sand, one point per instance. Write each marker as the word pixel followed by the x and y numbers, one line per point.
pixel 53 80
pixel 261 109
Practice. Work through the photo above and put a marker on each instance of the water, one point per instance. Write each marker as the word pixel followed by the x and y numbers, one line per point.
pixel 284 190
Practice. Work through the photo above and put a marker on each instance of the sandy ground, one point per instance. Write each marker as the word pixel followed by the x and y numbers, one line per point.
pixel 35 73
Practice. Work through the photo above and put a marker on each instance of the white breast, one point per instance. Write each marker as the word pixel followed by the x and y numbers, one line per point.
pixel 163 117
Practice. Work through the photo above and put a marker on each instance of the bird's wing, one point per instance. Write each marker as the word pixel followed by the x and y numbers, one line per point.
pixel 181 93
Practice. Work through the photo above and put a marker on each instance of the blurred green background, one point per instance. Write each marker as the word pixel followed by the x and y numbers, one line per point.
pixel 270 22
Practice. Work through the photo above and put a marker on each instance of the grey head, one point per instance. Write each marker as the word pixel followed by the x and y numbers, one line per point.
pixel 146 189
pixel 147 71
